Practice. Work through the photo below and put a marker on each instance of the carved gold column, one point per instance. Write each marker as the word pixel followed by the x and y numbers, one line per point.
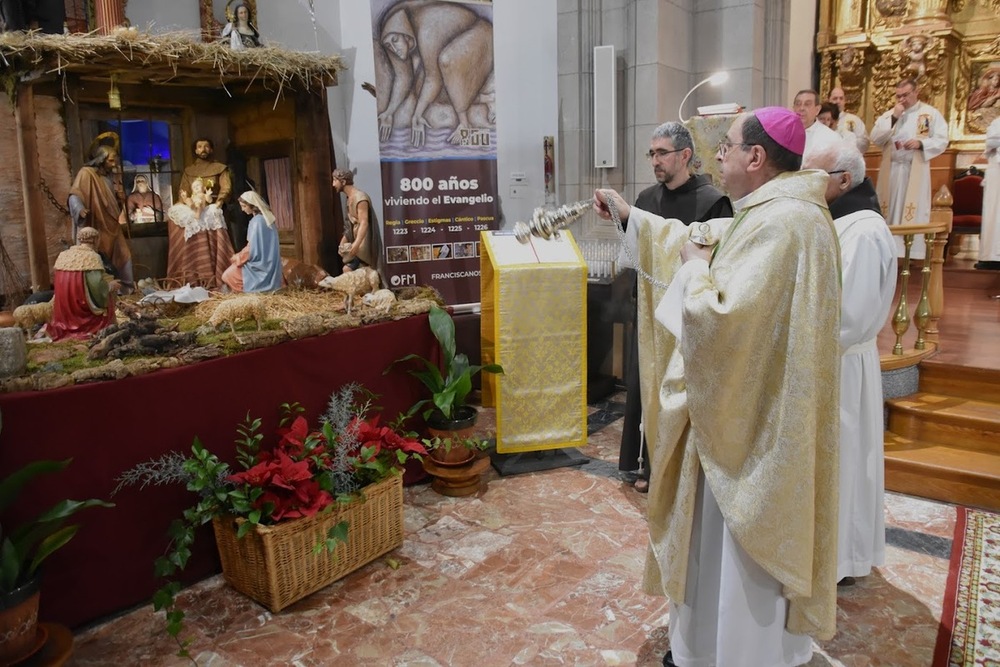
pixel 108 14
pixel 924 11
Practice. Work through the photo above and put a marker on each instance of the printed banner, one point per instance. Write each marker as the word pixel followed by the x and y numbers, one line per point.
pixel 437 140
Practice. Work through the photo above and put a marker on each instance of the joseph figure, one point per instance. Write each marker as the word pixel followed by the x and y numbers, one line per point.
pixel 96 199
pixel 202 257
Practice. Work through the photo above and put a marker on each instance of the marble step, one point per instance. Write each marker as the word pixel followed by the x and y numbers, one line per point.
pixel 947 420
pixel 981 384
pixel 942 472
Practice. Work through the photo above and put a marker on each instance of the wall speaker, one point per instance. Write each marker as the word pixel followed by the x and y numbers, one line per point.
pixel 605 102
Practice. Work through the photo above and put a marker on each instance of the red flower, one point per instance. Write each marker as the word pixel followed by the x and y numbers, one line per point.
pixel 370 433
pixel 287 472
pixel 259 475
pixel 292 439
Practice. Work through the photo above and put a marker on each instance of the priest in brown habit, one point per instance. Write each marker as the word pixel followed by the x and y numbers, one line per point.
pixel 200 247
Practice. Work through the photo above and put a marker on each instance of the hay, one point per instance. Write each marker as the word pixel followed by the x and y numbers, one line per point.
pixel 286 304
pixel 175 57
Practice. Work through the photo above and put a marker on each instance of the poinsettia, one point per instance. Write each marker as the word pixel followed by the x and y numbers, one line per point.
pixel 302 473
pixel 384 437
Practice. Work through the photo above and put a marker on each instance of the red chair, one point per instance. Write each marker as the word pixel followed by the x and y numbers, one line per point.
pixel 967 211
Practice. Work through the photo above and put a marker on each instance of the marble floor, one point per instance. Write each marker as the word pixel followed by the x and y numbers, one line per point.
pixel 538 569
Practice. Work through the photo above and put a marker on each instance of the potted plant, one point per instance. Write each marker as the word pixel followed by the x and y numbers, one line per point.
pixel 449 384
pixel 295 515
pixel 456 463
pixel 454 449
pixel 23 548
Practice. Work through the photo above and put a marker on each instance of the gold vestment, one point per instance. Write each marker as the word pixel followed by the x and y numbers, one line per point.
pixel 750 396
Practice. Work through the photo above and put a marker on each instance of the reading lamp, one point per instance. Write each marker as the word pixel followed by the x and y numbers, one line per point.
pixel 715 80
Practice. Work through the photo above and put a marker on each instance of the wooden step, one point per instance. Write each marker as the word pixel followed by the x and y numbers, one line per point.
pixel 981 384
pixel 947 420
pixel 971 278
pixel 940 472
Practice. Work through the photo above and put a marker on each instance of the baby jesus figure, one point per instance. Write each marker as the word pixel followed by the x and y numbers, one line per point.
pixel 199 198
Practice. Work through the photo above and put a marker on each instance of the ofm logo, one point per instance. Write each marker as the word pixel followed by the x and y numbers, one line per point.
pixel 400 281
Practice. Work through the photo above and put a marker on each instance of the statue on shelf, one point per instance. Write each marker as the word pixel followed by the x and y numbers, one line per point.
pixel 241 31
pixel 256 268
pixel 143 205
pixel 96 199
pixel 916 47
pixel 200 248
pixel 84 301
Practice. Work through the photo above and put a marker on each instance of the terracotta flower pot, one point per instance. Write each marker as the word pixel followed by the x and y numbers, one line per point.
pixel 460 427
pixel 19 623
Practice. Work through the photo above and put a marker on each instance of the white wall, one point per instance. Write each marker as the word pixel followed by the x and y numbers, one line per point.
pixel 802 43
pixel 526 70
pixel 160 17
pixel 353 111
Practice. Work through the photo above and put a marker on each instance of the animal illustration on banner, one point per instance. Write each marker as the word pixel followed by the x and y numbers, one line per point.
pixel 436 105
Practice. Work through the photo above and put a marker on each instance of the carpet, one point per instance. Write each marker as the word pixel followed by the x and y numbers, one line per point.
pixel 970 618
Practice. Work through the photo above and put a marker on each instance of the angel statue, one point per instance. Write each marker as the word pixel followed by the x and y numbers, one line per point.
pixel 241 31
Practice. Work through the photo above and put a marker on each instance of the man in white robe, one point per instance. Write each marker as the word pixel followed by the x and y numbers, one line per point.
pixel 989 236
pixel 807 106
pixel 849 125
pixel 741 406
pixel 910 135
pixel 868 261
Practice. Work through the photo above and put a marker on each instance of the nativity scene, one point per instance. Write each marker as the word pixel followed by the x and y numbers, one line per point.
pixel 152 229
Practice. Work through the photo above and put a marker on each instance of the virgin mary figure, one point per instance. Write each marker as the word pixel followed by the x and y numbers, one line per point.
pixel 241 31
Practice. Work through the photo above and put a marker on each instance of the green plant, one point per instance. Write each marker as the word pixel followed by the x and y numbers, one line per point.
pixel 445 444
pixel 25 547
pixel 449 389
pixel 306 472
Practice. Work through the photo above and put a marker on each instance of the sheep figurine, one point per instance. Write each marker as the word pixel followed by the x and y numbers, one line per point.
pixel 380 300
pixel 359 281
pixel 31 315
pixel 249 307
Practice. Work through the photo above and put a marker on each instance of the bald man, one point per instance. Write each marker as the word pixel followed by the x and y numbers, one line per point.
pixel 849 124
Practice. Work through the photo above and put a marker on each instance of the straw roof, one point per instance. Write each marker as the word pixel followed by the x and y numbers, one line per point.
pixel 168 59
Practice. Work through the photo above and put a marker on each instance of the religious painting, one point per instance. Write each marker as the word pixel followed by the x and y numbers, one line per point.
pixel 436 103
pixel 983 104
pixel 223 20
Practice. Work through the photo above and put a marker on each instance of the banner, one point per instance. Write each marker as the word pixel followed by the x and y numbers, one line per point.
pixel 437 140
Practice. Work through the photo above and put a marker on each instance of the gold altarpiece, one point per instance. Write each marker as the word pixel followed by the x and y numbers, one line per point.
pixel 949 46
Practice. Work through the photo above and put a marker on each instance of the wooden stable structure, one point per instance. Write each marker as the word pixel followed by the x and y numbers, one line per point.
pixel 267 106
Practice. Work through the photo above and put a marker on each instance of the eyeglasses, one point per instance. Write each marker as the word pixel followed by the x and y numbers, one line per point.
pixel 660 153
pixel 837 171
pixel 725 145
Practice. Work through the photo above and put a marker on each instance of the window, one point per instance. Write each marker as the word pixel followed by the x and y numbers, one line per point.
pixel 150 157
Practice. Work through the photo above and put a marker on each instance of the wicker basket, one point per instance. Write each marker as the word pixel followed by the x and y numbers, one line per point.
pixel 276 565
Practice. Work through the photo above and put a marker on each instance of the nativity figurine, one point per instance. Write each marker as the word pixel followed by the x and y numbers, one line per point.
pixel 240 32
pixel 84 301
pixel 257 267
pixel 143 205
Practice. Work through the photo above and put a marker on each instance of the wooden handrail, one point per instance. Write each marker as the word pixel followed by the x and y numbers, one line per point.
pixel 930 305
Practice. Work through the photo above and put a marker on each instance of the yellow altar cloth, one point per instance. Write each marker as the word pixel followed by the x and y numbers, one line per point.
pixel 534 323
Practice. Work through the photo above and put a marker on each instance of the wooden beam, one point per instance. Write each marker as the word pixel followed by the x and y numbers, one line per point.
pixel 31 178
